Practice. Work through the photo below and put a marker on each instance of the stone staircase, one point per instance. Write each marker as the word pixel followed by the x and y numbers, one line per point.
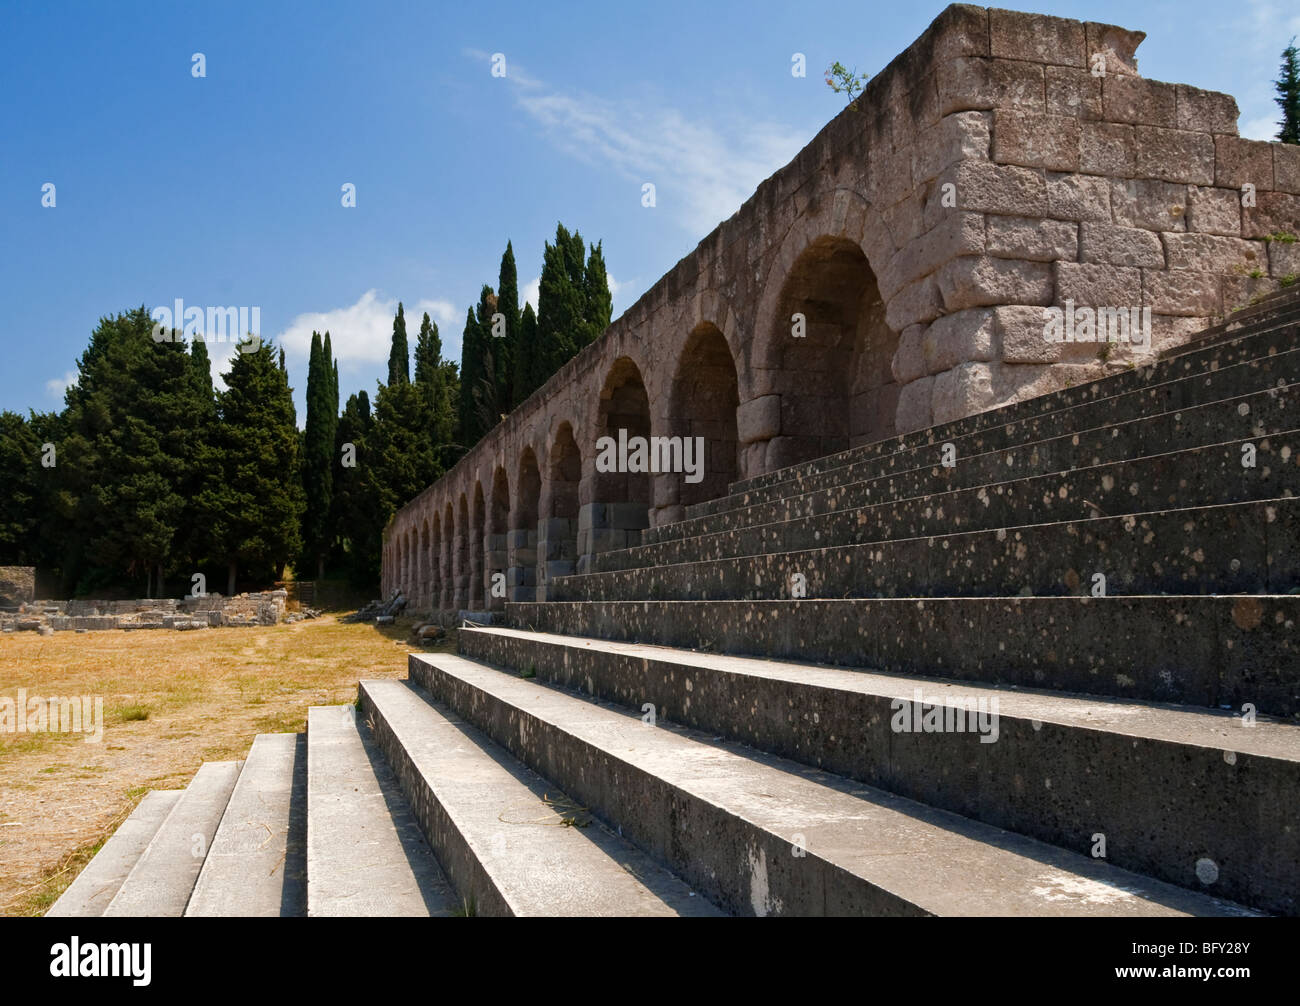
pixel 1057 677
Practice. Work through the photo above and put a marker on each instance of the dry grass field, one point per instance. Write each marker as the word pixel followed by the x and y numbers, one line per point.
pixel 171 700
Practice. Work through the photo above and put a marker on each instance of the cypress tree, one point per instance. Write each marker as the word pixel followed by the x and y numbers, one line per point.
pixel 1288 95
pixel 504 349
pixel 525 349
pixel 559 306
pixel 318 455
pixel 399 355
pixel 355 514
pixel 471 372
pixel 598 304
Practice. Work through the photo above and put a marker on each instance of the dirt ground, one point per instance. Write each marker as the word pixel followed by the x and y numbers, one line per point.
pixel 171 700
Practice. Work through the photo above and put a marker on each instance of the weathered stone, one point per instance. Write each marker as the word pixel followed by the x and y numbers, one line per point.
pixel 962 391
pixel 1021 335
pixel 968 83
pixel 759 419
pixel 1182 292
pixel 1273 213
pixel 1284 258
pixel 981 187
pixel 1175 155
pixel 1213 253
pixel 1238 162
pixel 1117 46
pixel 1107 148
pixel 909 358
pixel 1092 285
pixel 917 302
pixel 914 405
pixel 1214 211
pixel 1077 197
pixel 1036 141
pixel 1205 111
pixel 1116 245
pixel 1033 239
pixel 975 281
pixel 1150 204
pixel 957 233
pixel 1286 167
pixel 1073 92
pixel 1139 101
pixel 1037 37
pixel 957 137
pixel 957 338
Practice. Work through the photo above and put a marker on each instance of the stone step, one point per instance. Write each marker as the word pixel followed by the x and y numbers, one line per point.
pixel 1236 548
pixel 762 835
pixel 1280 336
pixel 916 506
pixel 257 863
pixel 1230 383
pixel 365 853
pixel 160 883
pixel 1169 788
pixel 90 893
pixel 916 472
pixel 1200 651
pixel 511 842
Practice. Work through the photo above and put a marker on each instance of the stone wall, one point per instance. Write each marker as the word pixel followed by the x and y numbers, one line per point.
pixel 894 275
pixel 17 584
pixel 266 608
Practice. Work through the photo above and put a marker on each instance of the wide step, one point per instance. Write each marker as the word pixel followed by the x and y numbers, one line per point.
pixel 764 836
pixel 511 843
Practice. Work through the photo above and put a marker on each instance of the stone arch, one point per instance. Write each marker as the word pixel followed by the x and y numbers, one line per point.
pixel 447 594
pixel 494 539
pixel 702 403
pixel 460 555
pixel 434 553
pixel 832 387
pixel 521 545
pixel 620 496
pixel 557 524
pixel 477 527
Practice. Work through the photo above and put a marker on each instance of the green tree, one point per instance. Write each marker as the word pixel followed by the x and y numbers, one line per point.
pixel 20 503
pixel 1288 95
pixel 355 516
pixel 399 354
pixel 525 350
pixel 318 454
pixel 504 348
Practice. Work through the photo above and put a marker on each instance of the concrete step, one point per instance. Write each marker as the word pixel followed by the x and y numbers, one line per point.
pixel 257 864
pixel 1230 549
pixel 101 878
pixel 1230 383
pixel 914 505
pixel 1166 786
pixel 160 883
pixel 1279 336
pixel 365 853
pixel 917 472
pixel 511 842
pixel 1199 651
pixel 762 835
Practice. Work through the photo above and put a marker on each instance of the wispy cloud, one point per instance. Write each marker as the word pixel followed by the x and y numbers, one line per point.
pixel 360 333
pixel 702 171
pixel 56 386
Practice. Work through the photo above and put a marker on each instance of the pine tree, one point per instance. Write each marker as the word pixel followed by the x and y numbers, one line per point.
pixel 254 502
pixel 1288 91
pixel 504 348
pixel 437 378
pixel 525 350
pixel 560 306
pixel 20 503
pixel 598 304
pixel 399 355
pixel 318 454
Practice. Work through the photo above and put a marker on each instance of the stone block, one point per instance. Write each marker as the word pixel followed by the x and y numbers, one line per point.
pixel 1150 204
pixel 962 391
pixel 958 338
pixel 1117 46
pixel 981 187
pixel 977 281
pixel 1175 155
pixel 1032 239
pixel 914 406
pixel 1073 92
pixel 1205 111
pixel 1077 197
pixel 1286 167
pixel 1214 211
pixel 758 419
pixel 909 359
pixel 1093 285
pixel 1034 140
pixel 1284 258
pixel 1182 292
pixel 1037 37
pixel 957 137
pixel 1139 101
pixel 1107 148
pixel 971 83
pixel 957 233
pixel 1273 213
pixel 1238 161
pixel 916 303
pixel 1213 253
pixel 1020 332
pixel 1116 245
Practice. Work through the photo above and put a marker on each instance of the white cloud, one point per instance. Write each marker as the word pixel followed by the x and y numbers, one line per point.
pixel 56 386
pixel 531 291
pixel 702 171
pixel 360 333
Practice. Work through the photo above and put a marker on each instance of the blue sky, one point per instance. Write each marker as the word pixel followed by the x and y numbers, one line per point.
pixel 225 190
